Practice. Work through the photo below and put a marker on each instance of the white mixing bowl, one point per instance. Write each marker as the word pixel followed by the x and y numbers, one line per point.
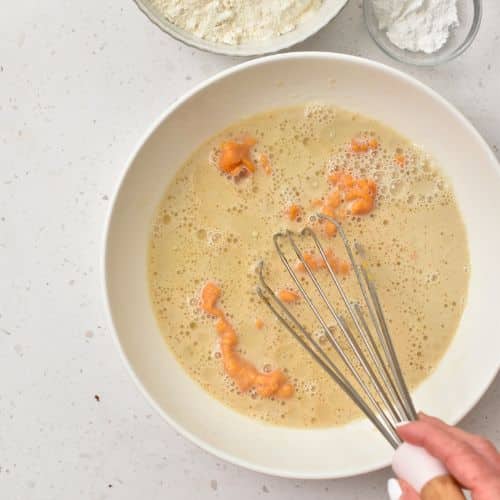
pixel 468 366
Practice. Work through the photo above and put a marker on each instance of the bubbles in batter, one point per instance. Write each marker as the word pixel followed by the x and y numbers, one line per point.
pixel 213 227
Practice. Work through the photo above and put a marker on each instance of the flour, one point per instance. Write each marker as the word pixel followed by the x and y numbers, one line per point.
pixel 237 21
pixel 417 25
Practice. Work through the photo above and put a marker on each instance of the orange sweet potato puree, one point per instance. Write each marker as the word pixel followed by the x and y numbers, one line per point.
pixel 359 192
pixel 349 195
pixel 240 370
pixel 294 211
pixel 316 262
pixel 265 163
pixel 288 296
pixel 400 159
pixel 363 145
pixel 235 156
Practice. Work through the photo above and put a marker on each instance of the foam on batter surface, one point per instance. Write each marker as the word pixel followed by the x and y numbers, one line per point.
pixel 212 227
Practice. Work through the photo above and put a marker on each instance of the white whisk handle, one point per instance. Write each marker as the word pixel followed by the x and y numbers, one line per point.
pixel 425 473
pixel 416 466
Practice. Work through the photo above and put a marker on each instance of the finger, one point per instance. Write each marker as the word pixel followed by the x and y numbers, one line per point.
pixel 408 493
pixel 461 460
pixel 401 490
pixel 478 443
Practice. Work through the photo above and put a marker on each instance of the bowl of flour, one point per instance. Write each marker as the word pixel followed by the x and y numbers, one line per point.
pixel 241 27
pixel 423 32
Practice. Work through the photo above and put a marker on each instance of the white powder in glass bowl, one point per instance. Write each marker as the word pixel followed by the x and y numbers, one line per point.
pixel 417 25
pixel 237 21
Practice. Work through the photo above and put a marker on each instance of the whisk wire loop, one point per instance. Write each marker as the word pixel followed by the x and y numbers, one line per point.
pixel 321 357
pixel 388 400
pixel 347 334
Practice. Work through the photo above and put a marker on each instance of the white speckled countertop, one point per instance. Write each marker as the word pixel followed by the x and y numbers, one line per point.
pixel 79 84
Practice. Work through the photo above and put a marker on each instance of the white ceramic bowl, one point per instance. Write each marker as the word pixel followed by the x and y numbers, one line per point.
pixel 328 10
pixel 461 37
pixel 370 88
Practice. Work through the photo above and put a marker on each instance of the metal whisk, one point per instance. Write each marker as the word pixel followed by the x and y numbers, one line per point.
pixel 382 395
pixel 380 391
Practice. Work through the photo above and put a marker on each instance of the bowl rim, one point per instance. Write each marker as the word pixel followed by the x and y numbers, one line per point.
pixel 177 426
pixel 273 46
pixel 430 61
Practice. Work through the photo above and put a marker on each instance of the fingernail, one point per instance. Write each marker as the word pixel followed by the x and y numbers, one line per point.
pixel 394 489
pixel 400 424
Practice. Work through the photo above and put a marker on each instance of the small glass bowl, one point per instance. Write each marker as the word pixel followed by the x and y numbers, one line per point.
pixel 469 18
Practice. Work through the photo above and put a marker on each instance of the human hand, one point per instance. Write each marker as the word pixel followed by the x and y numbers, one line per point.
pixel 472 460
